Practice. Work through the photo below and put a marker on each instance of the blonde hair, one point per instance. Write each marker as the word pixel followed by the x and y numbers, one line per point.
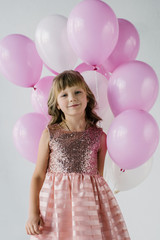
pixel 65 79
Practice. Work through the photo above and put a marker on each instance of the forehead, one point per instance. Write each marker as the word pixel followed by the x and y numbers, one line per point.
pixel 71 88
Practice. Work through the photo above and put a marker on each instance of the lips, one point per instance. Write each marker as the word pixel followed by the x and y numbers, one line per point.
pixel 74 105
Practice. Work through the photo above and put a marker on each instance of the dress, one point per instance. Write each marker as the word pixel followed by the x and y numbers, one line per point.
pixel 76 203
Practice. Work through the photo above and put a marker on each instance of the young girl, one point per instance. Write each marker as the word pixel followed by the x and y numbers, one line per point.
pixel 69 198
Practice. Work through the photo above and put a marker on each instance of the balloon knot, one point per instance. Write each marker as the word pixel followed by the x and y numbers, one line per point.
pixel 95 68
pixel 122 170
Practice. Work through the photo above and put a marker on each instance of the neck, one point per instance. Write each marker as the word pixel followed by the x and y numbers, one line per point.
pixel 76 124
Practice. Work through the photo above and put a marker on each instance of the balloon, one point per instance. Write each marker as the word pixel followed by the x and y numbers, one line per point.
pixel 127 46
pixel 132 138
pixel 53 45
pixel 83 67
pixel 133 85
pixel 19 60
pixel 123 180
pixel 53 71
pixel 107 117
pixel 92 31
pixel 40 94
pixel 26 134
pixel 98 85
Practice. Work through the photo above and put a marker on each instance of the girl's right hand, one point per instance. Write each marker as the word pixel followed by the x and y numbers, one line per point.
pixel 34 225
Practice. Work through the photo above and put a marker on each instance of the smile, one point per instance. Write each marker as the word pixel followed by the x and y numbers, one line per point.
pixel 75 105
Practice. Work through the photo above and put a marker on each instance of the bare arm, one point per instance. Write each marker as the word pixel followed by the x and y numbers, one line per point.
pixel 36 184
pixel 102 153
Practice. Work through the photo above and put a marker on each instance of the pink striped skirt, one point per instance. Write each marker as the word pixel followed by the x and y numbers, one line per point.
pixel 77 206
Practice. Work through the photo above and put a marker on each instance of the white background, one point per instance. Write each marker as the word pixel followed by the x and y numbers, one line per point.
pixel 141 205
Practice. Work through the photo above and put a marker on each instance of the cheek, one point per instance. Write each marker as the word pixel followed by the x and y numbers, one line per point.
pixel 85 101
pixel 62 102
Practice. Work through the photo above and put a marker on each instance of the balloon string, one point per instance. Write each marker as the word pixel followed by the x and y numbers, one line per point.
pixel 115 189
pixel 96 87
pixel 97 94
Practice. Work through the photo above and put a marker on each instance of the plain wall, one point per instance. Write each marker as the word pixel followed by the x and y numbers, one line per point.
pixel 141 205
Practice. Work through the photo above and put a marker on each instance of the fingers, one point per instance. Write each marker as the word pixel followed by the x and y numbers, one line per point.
pixel 41 222
pixel 34 229
pixel 34 225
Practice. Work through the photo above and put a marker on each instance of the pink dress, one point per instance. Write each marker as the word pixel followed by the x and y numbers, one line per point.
pixel 76 203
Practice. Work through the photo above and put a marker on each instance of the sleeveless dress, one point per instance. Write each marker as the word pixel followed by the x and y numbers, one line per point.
pixel 76 203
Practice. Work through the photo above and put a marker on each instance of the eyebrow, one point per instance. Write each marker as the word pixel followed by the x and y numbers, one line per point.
pixel 77 88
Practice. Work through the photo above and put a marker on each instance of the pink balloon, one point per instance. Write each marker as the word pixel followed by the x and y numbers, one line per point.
pixel 40 94
pixel 127 46
pixel 92 31
pixel 19 60
pixel 132 138
pixel 52 71
pixel 133 85
pixel 26 134
pixel 83 67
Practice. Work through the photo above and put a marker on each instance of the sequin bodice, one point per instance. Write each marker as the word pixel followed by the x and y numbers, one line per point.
pixel 74 151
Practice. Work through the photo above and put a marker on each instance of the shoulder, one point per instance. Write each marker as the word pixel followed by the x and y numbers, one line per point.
pixel 100 130
pixel 103 139
pixel 45 136
pixel 103 136
pixel 45 132
pixel 52 126
pixel 52 129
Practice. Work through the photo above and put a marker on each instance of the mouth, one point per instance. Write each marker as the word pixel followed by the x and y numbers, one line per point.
pixel 75 105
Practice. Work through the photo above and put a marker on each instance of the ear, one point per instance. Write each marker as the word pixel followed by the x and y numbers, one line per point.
pixel 58 107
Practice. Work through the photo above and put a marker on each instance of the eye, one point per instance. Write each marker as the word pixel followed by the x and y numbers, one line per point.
pixel 64 95
pixel 78 92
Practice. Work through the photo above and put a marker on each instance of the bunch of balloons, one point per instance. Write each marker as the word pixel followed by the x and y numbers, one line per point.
pixel 125 88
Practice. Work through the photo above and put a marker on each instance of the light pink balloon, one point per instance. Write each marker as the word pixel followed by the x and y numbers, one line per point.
pixel 26 134
pixel 40 94
pixel 133 85
pixel 92 31
pixel 132 138
pixel 83 67
pixel 127 46
pixel 19 60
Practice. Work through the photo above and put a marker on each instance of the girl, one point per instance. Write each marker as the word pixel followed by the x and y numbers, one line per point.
pixel 69 198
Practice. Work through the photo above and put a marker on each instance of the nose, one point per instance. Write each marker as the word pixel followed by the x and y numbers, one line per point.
pixel 72 97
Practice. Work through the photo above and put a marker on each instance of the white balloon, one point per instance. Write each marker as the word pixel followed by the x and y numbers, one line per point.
pixel 107 117
pixel 123 180
pixel 98 84
pixel 52 43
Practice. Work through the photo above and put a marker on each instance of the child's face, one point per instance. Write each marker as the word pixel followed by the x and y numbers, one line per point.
pixel 72 100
